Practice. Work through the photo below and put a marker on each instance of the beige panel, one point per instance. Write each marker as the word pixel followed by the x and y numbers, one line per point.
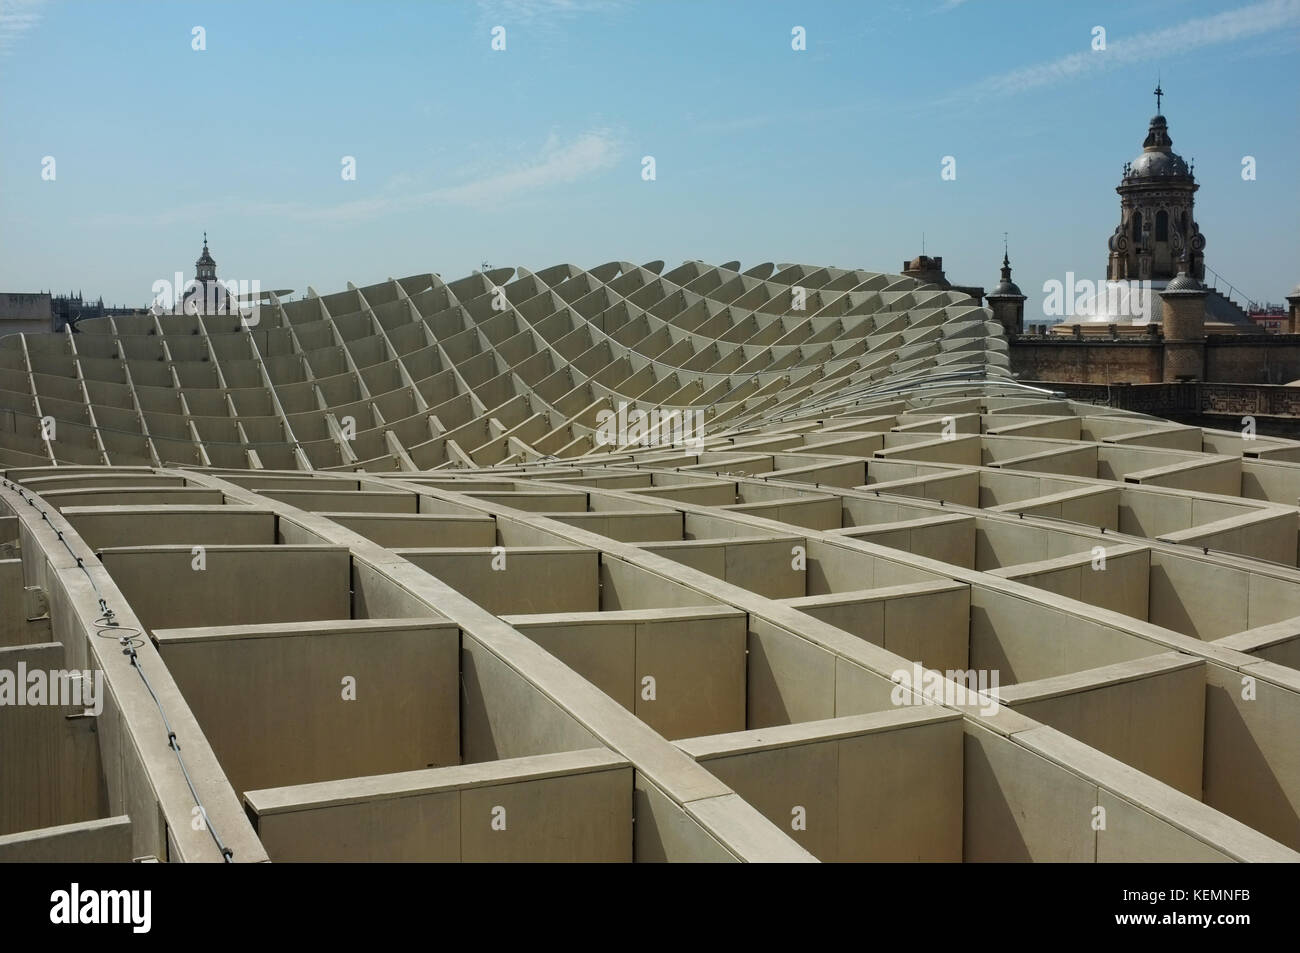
pixel 582 818
pixel 801 778
pixel 105 841
pixel 536 580
pixel 1022 807
pixel 502 716
pixel 1023 640
pixel 665 833
pixel 104 526
pixel 14 628
pixel 789 678
pixel 50 769
pixel 574 807
pixel 857 613
pixel 392 530
pixel 1131 835
pixel 274 584
pixel 1150 717
pixel 901 794
pixel 858 691
pixel 603 654
pixel 1252 759
pixel 398 830
pixel 698 667
pixel 1198 598
pixel 273 703
pixel 930 627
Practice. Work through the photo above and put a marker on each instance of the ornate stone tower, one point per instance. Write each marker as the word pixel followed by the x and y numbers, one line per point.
pixel 1006 302
pixel 1156 222
pixel 208 296
pixel 205 268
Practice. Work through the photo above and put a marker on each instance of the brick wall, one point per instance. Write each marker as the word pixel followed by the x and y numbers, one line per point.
pixel 1087 362
pixel 1228 359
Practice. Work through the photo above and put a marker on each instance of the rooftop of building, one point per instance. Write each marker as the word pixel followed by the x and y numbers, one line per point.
pixel 658 642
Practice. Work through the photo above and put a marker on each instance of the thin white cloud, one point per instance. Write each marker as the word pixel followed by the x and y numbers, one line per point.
pixel 543 22
pixel 733 124
pixel 556 163
pixel 1255 20
pixel 526 11
pixel 17 17
pixel 858 107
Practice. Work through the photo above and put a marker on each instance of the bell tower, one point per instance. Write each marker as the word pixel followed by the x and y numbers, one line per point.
pixel 207 296
pixel 1006 301
pixel 205 270
pixel 1156 223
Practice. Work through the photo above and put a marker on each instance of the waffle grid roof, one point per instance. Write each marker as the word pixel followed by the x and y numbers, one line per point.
pixel 564 650
pixel 491 369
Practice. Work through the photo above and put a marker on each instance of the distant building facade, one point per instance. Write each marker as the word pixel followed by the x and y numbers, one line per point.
pixel 70 308
pixel 1186 331
pixel 930 270
pixel 28 312
pixel 42 311
pixel 35 312
pixel 1272 318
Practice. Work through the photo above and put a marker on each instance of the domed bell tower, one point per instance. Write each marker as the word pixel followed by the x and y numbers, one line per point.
pixel 1156 222
pixel 205 273
pixel 1006 302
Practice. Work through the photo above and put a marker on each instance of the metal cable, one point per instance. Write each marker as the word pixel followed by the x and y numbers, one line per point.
pixel 109 624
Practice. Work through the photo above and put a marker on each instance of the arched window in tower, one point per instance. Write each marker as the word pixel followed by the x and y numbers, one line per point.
pixel 1162 226
pixel 1137 228
pixel 1182 225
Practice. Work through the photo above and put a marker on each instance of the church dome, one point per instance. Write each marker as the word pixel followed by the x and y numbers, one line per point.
pixel 1158 158
pixel 1005 286
pixel 206 257
pixel 1183 282
pixel 1158 164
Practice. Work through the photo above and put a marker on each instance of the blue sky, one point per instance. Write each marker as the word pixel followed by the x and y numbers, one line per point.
pixel 533 155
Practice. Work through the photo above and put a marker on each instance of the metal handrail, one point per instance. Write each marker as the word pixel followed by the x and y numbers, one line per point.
pixel 1232 289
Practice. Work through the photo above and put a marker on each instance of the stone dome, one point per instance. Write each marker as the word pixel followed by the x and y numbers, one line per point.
pixel 1159 164
pixel 1183 282
pixel 1158 158
pixel 1005 286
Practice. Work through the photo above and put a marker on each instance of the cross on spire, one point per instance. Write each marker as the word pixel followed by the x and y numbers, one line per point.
pixel 205 239
pixel 1159 92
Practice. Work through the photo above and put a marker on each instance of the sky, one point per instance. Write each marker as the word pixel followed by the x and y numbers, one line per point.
pixel 534 154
